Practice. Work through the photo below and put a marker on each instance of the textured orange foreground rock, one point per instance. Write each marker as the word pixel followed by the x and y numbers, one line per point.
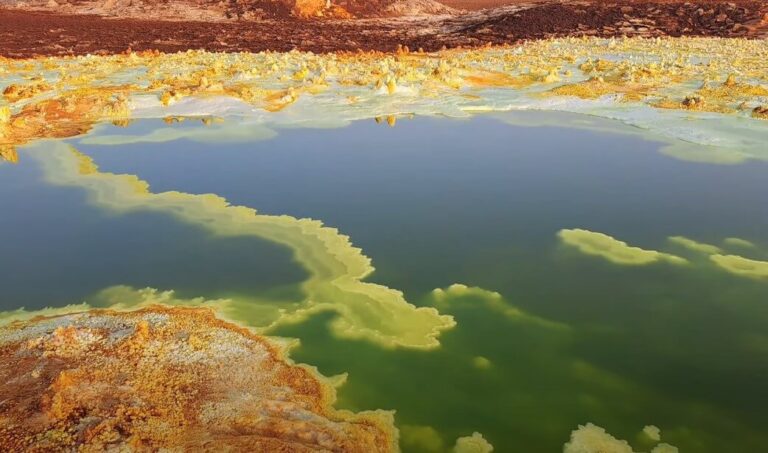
pixel 163 377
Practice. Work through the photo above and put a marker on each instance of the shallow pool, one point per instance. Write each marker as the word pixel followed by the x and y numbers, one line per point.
pixel 589 276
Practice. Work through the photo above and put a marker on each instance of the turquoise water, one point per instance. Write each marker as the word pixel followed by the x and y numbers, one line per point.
pixel 434 202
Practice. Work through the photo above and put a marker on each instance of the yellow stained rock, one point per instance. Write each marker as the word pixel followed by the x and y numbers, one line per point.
pixel 5 114
pixel 9 154
pixel 168 378
pixel 17 92
pixel 760 112
pixel 657 73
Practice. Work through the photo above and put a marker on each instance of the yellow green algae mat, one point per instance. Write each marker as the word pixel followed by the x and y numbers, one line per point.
pixel 558 246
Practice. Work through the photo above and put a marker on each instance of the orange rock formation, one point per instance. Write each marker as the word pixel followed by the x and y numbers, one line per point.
pixel 167 378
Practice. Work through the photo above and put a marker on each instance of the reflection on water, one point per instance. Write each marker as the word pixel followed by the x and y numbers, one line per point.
pixel 551 276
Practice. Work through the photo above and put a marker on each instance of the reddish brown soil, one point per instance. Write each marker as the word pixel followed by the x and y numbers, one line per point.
pixel 280 8
pixel 24 34
pixel 666 18
pixel 473 5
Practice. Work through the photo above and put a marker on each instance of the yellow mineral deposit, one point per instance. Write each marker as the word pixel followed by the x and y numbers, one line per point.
pixel 481 363
pixel 174 357
pixel 695 246
pixel 218 133
pixel 5 115
pixel 614 250
pixel 739 242
pixel 9 154
pixel 475 443
pixel 652 432
pixel 71 114
pixel 591 438
pixel 168 378
pixel 427 439
pixel 74 93
pixel 17 92
pixel 337 268
pixel 744 267
pixel 458 290
pixel 116 298
pixel 611 249
pixel 596 87
pixel 421 438
pixel 456 295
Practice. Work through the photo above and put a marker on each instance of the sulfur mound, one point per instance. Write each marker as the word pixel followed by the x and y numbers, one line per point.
pixel 167 378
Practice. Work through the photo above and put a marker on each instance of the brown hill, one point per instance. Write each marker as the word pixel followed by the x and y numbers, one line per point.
pixel 472 5
pixel 222 10
pixel 166 26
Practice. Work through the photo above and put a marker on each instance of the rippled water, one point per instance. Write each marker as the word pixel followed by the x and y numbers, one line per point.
pixel 549 333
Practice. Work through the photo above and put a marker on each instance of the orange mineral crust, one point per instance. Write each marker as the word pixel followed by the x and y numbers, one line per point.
pixel 162 377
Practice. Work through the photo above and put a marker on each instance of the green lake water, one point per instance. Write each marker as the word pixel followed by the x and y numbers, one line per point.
pixel 570 338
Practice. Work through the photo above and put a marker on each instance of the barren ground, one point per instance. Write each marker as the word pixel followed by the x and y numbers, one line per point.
pixel 28 33
pixel 472 5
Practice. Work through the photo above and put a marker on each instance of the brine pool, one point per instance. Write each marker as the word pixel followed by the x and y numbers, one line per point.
pixel 591 277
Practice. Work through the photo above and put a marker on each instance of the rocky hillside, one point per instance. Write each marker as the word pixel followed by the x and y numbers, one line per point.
pixel 249 25
pixel 223 10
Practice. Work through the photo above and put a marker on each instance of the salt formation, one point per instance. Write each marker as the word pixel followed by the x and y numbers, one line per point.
pixel 695 246
pixel 427 439
pixel 475 443
pixel 734 264
pixel 591 438
pixel 161 378
pixel 421 438
pixel 613 250
pixel 619 252
pixel 741 266
pixel 738 242
pixel 653 432
pixel 703 96
pixel 458 294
